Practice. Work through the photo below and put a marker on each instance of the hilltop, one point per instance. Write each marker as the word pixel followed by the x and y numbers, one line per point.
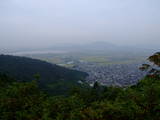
pixel 50 76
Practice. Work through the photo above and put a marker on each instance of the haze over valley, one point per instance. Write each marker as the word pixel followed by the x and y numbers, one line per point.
pixel 79 59
pixel 109 40
pixel 107 63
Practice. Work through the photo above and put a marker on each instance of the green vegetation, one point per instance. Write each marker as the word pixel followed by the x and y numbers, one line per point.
pixel 24 69
pixel 106 59
pixel 152 69
pixel 100 58
pixel 96 59
pixel 25 101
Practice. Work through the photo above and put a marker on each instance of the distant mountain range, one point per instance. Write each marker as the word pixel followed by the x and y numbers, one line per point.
pixel 106 48
pixel 93 47
pixel 53 78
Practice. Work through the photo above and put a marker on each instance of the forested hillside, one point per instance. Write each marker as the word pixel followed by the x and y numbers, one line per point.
pixel 50 77
pixel 25 101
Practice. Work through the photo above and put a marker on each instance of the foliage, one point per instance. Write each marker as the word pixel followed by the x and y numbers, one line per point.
pixel 27 69
pixel 25 101
pixel 154 68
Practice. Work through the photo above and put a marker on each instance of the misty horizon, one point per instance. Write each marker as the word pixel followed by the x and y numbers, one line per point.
pixel 43 24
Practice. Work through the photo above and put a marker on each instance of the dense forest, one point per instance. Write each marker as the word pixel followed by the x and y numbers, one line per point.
pixel 26 101
pixel 50 77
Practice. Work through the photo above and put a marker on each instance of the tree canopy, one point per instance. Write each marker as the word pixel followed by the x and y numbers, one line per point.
pixel 25 101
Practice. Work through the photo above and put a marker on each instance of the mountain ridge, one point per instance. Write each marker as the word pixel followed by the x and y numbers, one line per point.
pixel 23 69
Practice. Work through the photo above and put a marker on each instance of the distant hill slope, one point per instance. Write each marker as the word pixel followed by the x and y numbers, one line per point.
pixel 52 77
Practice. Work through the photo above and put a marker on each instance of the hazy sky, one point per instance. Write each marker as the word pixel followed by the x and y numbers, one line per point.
pixel 37 23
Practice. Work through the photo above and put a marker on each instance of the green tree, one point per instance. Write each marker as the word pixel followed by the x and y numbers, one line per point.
pixel 154 68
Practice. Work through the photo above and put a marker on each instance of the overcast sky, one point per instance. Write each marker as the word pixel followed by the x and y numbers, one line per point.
pixel 42 23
